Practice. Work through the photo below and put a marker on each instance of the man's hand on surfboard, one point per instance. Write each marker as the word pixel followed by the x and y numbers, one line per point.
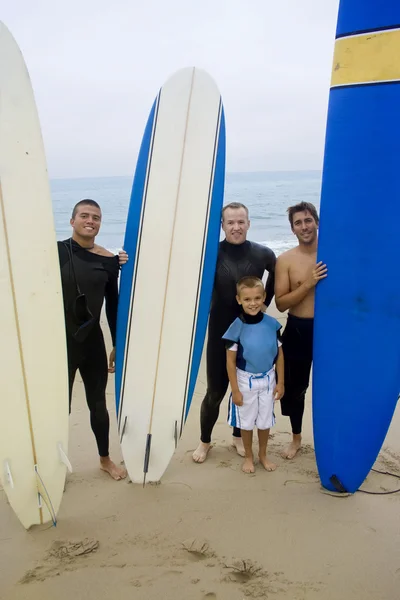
pixel 122 257
pixel 320 271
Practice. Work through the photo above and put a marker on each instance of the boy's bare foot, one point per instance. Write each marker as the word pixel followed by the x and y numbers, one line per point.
pixel 293 448
pixel 107 465
pixel 237 443
pixel 268 466
pixel 200 454
pixel 248 466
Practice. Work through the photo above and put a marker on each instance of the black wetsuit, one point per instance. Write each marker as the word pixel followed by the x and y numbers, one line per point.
pixel 97 278
pixel 297 346
pixel 234 262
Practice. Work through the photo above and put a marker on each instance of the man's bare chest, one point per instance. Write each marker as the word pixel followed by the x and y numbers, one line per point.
pixel 300 271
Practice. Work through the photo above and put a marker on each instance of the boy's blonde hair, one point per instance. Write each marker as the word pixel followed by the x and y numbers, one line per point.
pixel 248 282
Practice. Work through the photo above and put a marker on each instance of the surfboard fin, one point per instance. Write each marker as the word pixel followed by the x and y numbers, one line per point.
pixel 43 495
pixel 64 458
pixel 123 430
pixel 9 477
pixel 146 457
pixel 337 484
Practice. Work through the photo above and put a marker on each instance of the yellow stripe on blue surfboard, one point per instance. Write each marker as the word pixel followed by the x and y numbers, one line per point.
pixel 367 58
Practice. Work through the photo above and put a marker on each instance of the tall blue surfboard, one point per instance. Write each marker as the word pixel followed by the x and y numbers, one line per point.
pixel 172 236
pixel 356 374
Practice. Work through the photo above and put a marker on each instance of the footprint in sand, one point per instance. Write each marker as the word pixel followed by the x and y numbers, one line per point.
pixel 70 550
pixel 61 556
pixel 225 463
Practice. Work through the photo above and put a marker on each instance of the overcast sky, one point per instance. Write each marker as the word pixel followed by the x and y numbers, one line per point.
pixel 96 66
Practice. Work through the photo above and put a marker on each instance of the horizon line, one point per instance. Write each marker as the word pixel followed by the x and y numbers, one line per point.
pixel 63 177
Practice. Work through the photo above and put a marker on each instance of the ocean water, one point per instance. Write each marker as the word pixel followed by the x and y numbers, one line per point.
pixel 267 196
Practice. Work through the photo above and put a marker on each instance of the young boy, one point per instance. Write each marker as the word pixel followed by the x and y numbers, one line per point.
pixel 253 348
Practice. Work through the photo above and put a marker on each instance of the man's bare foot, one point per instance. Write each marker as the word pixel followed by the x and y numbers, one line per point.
pixel 248 465
pixel 107 465
pixel 293 448
pixel 237 443
pixel 268 466
pixel 200 454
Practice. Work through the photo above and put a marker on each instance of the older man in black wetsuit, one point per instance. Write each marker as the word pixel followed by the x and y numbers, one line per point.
pixel 237 257
pixel 89 274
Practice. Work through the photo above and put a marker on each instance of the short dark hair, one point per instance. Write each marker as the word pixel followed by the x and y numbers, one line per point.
pixel 81 202
pixel 235 206
pixel 303 207
pixel 249 282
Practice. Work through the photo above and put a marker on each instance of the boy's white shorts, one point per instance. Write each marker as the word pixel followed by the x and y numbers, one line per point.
pixel 258 401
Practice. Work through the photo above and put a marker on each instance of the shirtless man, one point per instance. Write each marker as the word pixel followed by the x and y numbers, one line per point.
pixel 296 276
pixel 89 275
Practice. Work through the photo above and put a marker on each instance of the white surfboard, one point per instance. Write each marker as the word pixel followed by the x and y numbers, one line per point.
pixel 33 364
pixel 172 237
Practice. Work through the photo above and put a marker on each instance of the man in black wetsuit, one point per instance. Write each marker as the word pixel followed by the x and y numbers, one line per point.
pixel 237 257
pixel 89 274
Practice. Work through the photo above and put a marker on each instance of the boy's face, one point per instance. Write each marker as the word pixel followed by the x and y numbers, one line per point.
pixel 251 299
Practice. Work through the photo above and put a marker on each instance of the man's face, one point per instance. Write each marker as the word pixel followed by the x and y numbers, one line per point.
pixel 305 227
pixel 87 221
pixel 235 225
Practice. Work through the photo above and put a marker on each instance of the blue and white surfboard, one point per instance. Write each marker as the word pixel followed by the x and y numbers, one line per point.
pixel 171 237
pixel 357 312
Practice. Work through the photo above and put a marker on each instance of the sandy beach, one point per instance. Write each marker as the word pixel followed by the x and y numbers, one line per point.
pixel 207 531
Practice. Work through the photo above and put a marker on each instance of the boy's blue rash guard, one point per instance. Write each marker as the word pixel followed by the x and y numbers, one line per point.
pixel 257 340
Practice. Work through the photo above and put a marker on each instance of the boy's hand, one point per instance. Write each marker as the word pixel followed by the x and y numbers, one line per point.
pixel 279 391
pixel 237 398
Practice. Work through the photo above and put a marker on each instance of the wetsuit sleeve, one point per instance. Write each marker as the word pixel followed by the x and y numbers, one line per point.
pixel 270 262
pixel 111 298
pixel 63 255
